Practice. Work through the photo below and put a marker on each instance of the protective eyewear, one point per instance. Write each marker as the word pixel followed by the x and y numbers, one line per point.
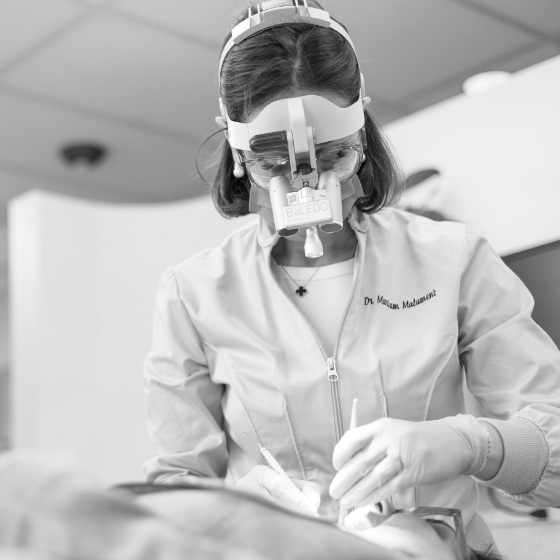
pixel 344 159
pixel 451 517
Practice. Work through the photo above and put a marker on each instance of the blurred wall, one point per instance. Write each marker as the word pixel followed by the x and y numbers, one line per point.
pixel 498 153
pixel 83 279
pixel 4 375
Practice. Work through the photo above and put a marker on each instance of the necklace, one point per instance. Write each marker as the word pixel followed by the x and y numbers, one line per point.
pixel 301 291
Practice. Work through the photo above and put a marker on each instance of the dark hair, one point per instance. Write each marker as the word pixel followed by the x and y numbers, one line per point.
pixel 280 61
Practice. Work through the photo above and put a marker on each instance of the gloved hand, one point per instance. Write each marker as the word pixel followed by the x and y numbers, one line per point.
pixel 302 495
pixel 378 460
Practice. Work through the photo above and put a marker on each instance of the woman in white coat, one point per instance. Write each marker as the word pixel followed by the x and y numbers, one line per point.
pixel 259 347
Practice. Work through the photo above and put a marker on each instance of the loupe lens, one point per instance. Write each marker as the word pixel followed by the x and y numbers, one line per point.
pixel 330 228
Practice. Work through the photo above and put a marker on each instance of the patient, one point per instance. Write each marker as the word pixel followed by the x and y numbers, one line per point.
pixel 49 512
pixel 279 534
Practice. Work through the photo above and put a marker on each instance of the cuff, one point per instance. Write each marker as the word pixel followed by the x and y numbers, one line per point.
pixel 476 437
pixel 525 456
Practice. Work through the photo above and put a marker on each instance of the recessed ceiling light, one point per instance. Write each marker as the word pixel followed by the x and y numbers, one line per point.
pixel 83 155
pixel 484 81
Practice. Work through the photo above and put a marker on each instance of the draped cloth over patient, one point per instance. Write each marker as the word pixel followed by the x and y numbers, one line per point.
pixel 51 512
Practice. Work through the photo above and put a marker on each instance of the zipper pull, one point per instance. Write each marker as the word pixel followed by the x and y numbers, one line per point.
pixel 332 374
pixel 384 402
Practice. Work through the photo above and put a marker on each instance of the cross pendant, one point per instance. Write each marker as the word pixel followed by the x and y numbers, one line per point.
pixel 301 291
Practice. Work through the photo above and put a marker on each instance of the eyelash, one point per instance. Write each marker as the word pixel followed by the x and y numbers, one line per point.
pixel 274 168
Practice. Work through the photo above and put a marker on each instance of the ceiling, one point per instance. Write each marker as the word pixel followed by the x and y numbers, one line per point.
pixel 140 76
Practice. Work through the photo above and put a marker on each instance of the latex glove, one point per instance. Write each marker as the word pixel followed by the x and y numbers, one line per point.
pixel 298 494
pixel 377 460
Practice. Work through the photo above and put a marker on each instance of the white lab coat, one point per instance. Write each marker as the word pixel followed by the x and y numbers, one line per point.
pixel 234 363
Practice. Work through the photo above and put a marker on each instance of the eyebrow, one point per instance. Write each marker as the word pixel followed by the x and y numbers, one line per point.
pixel 431 521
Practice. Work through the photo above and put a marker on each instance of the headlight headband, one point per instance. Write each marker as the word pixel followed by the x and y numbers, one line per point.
pixel 274 13
pixel 280 12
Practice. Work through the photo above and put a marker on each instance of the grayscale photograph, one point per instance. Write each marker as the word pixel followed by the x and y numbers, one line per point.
pixel 279 280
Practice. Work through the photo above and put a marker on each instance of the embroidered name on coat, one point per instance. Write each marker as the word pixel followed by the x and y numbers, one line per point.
pixel 389 304
pixel 415 302
pixel 406 304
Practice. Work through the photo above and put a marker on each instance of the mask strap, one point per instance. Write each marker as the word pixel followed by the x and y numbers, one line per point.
pixel 356 183
pixel 259 202
pixel 254 199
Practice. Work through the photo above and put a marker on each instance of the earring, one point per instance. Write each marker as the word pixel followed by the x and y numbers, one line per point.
pixel 238 170
pixel 363 158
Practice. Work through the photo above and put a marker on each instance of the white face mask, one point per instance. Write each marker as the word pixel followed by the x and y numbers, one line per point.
pixel 259 199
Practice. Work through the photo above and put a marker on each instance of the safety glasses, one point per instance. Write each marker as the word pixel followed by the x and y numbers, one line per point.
pixel 451 517
pixel 344 159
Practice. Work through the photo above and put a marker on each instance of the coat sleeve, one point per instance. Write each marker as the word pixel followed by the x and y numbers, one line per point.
pixel 513 369
pixel 183 403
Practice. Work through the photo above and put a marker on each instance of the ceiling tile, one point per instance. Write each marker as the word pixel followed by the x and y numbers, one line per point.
pixel 405 46
pixel 139 167
pixel 542 15
pixel 14 181
pixel 25 23
pixel 208 21
pixel 437 94
pixel 129 70
pixel 540 52
pixel 383 113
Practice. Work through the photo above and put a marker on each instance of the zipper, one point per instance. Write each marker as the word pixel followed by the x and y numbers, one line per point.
pixel 332 376
pixel 332 373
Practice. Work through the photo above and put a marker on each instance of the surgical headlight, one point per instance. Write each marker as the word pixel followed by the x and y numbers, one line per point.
pixel 299 148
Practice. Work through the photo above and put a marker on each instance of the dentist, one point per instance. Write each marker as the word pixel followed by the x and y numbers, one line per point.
pixel 261 344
